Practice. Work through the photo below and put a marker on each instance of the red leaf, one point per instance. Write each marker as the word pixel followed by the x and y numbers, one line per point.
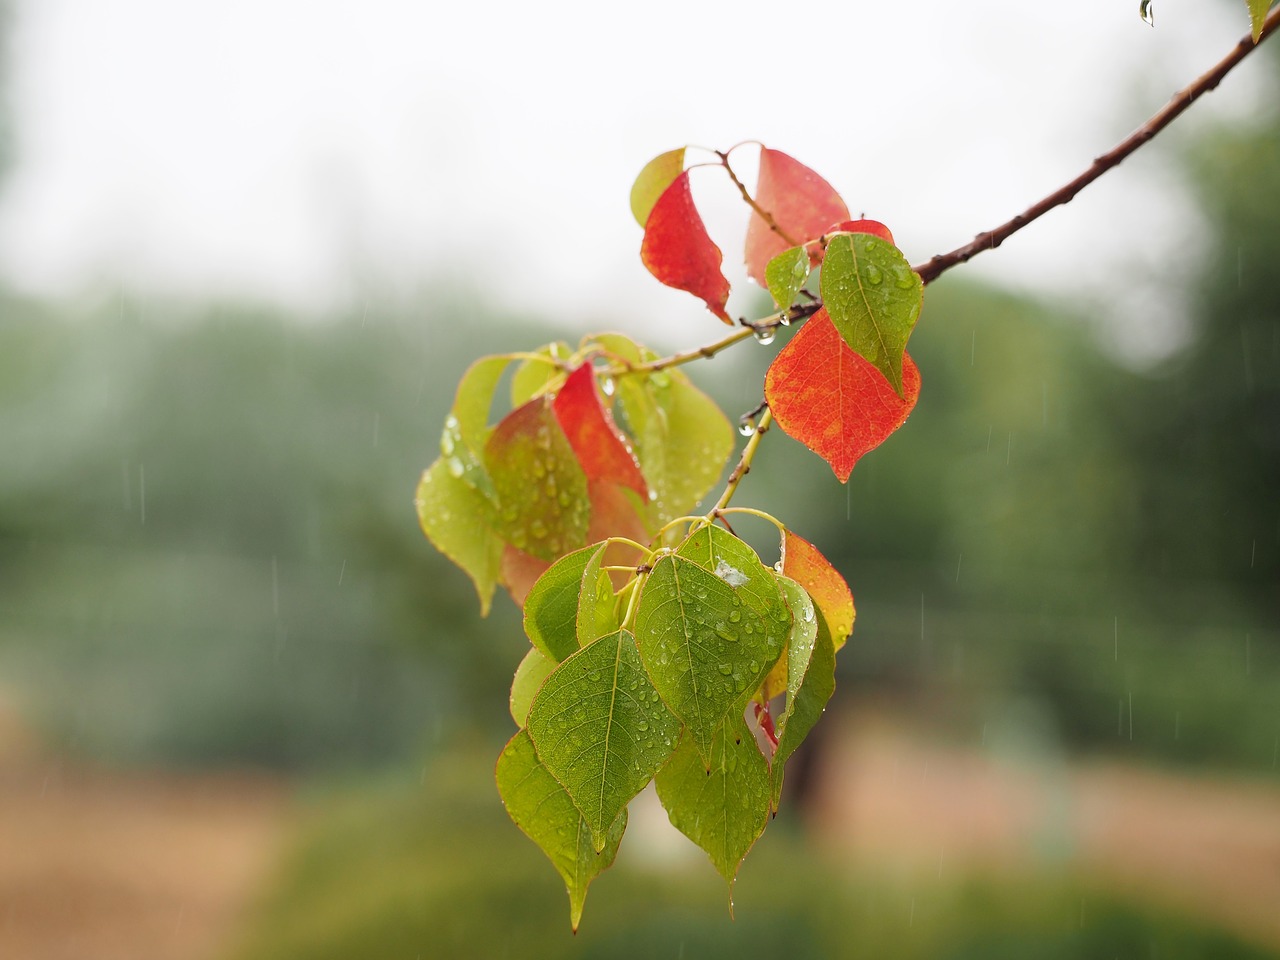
pixel 833 401
pixel 678 251
pixel 874 227
pixel 599 445
pixel 802 204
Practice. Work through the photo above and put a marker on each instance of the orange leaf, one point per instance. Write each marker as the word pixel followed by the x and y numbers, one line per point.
pixel 805 564
pixel 598 443
pixel 802 204
pixel 679 252
pixel 833 401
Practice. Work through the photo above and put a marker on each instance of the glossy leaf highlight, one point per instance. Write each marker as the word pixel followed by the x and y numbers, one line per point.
pixel 832 400
pixel 678 251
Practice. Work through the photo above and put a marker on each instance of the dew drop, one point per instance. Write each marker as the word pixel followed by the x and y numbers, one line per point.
pixel 538 529
pixel 873 274
pixel 765 335
pixel 735 615
pixel 446 443
pixel 725 669
pixel 747 427
pixel 726 635
pixel 456 468
pixel 784 318
pixel 642 725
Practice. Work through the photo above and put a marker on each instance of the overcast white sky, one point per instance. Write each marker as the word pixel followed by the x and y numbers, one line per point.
pixel 287 151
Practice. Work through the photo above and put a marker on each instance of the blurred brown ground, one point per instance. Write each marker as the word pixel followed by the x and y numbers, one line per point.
pixel 127 865
pixel 1205 846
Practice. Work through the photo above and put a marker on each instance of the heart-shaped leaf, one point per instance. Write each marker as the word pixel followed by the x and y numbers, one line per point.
pixel 832 400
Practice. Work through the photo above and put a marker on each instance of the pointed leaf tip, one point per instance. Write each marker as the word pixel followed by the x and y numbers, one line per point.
pixel 1258 17
pixel 832 400
pixel 801 203
pixel 679 252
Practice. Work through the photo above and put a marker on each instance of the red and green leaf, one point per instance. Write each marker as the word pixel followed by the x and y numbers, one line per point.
pixel 678 250
pixel 657 175
pixel 805 564
pixel 832 400
pixel 601 448
pixel 541 491
pixel 802 204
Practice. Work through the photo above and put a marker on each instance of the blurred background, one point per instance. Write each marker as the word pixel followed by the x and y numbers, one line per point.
pixel 246 251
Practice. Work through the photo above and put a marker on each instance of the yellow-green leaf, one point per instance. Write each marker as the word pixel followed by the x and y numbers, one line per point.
pixel 452 513
pixel 540 807
pixel 1258 16
pixel 533 670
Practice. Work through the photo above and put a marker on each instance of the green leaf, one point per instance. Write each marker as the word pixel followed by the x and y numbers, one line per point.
pixel 534 668
pixel 597 613
pixel 724 809
pixel 658 174
pixel 540 807
pixel 682 438
pixel 706 643
pixel 474 399
pixel 540 488
pixel 1258 16
pixel 873 297
pixel 601 729
pixel 785 274
pixel 551 608
pixel 451 513
pixel 807 698
pixel 534 377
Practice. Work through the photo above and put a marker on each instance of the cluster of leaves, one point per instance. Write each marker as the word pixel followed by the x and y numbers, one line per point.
pixel 661 647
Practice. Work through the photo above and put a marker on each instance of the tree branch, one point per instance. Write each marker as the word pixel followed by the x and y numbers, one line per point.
pixel 990 239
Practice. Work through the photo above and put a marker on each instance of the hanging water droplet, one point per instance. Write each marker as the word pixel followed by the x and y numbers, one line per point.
pixel 765 335
pixel 746 427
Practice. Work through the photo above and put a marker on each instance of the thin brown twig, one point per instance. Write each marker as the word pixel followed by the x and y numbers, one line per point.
pixel 744 463
pixel 990 239
pixel 748 328
pixel 764 214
